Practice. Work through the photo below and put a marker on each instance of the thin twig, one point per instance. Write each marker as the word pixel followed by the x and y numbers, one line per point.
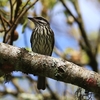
pixel 68 10
pixel 17 20
pixel 81 24
pixel 11 9
pixel 79 21
pixel 19 2
pixel 14 3
pixel 8 23
pixel 88 50
pixel 3 23
pixel 4 29
pixel 4 12
pixel 23 12
pixel 24 7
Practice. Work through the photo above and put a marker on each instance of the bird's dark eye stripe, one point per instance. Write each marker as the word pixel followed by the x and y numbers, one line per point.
pixel 41 20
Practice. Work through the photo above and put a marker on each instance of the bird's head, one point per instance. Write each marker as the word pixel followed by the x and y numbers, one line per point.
pixel 39 21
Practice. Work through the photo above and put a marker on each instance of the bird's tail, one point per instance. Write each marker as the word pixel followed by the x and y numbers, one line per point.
pixel 41 84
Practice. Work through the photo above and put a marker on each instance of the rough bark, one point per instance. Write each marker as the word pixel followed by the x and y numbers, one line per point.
pixel 31 63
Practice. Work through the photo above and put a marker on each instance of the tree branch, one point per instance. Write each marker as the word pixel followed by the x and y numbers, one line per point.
pixel 93 62
pixel 14 25
pixel 58 69
pixel 2 22
pixel 11 10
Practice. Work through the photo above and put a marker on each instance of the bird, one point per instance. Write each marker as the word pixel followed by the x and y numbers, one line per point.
pixel 42 42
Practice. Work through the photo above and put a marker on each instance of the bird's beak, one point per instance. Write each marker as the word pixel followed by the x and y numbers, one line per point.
pixel 30 18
